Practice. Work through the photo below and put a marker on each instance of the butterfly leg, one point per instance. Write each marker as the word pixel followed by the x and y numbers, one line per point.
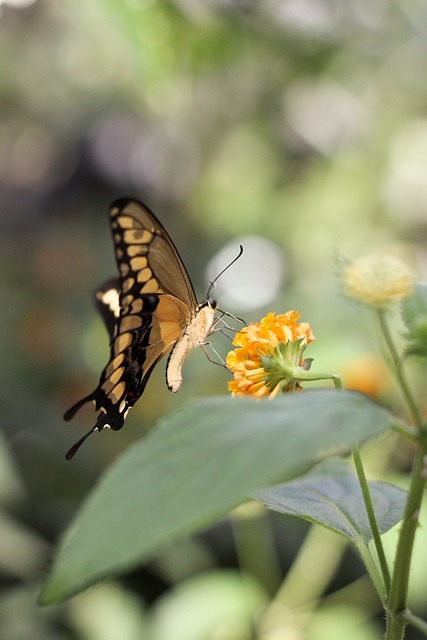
pixel 220 324
pixel 221 362
pixel 230 315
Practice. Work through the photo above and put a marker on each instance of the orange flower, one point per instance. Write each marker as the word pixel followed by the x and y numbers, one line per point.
pixel 368 374
pixel 268 354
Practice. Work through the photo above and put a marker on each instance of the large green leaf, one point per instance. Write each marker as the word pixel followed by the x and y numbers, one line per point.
pixel 197 465
pixel 330 495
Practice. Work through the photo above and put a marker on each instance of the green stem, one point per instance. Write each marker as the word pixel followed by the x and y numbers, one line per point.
pixel 372 569
pixel 255 545
pixel 372 521
pixel 400 579
pixel 415 621
pixel 397 366
pixel 337 381
pixel 397 603
pixel 301 589
pixel 402 428
pixel 298 373
pixel 382 586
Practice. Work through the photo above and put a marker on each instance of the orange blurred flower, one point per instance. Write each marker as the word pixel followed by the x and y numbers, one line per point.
pixel 368 374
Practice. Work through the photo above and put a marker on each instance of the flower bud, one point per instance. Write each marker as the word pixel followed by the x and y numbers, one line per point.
pixel 377 281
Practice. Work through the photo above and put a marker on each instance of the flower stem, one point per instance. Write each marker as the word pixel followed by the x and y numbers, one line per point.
pixel 397 366
pixel 415 621
pixel 255 545
pixel 337 381
pixel 396 609
pixel 372 569
pixel 400 579
pixel 372 520
pixel 298 373
pixel 301 588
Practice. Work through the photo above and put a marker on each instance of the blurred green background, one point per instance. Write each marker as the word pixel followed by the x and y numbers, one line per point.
pixel 299 123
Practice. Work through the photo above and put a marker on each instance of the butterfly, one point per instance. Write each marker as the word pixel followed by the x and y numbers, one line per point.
pixel 149 310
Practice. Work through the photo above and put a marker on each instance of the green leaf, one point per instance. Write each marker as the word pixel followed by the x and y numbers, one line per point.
pixel 197 465
pixel 414 314
pixel 330 495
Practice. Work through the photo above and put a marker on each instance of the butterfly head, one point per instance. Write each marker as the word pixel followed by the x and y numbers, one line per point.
pixel 211 302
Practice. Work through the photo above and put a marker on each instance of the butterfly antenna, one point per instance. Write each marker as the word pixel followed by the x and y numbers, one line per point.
pixel 71 452
pixel 212 284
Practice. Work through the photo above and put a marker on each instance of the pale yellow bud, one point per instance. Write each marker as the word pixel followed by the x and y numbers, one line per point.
pixel 377 280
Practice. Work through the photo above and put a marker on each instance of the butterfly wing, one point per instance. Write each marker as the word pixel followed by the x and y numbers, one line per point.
pixel 143 245
pixel 107 301
pixel 146 314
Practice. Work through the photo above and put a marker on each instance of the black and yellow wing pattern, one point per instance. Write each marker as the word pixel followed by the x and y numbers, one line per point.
pixel 149 310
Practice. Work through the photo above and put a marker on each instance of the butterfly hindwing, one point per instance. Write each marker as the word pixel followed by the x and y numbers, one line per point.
pixel 107 301
pixel 146 312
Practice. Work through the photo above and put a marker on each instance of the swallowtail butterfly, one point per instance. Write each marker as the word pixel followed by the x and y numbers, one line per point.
pixel 150 310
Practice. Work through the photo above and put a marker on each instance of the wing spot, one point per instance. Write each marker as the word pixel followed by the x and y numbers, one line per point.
pixel 127 300
pixel 112 366
pixel 151 286
pixel 137 250
pixel 107 386
pixel 129 323
pixel 126 222
pixel 138 263
pixel 137 236
pixel 111 299
pixel 122 342
pixel 144 275
pixel 124 268
pixel 137 306
pixel 116 393
pixel 128 284
pixel 116 375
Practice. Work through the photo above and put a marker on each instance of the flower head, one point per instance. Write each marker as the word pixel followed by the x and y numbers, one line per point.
pixel 377 280
pixel 268 355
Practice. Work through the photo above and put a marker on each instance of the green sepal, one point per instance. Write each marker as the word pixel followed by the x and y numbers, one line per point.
pixel 285 365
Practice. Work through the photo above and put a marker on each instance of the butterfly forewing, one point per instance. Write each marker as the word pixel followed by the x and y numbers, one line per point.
pixel 146 312
pixel 146 256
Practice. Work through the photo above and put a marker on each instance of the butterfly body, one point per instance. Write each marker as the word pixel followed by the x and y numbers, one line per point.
pixel 195 334
pixel 150 310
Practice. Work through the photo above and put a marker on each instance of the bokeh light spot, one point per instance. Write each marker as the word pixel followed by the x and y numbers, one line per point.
pixel 254 280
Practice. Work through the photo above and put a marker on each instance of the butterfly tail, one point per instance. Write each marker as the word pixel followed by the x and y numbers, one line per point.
pixel 73 450
pixel 68 415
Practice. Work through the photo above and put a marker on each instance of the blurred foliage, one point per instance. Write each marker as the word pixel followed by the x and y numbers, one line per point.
pixel 302 121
